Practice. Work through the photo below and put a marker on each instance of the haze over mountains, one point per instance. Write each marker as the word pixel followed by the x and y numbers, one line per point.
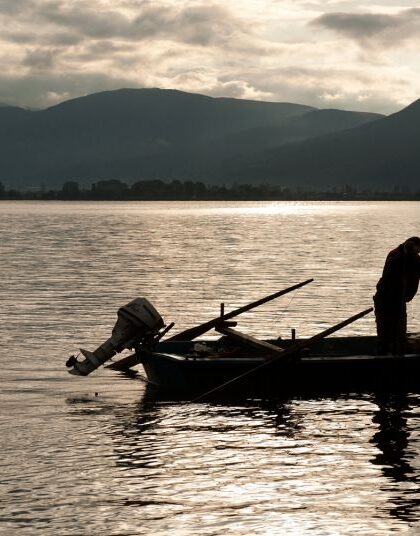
pixel 135 134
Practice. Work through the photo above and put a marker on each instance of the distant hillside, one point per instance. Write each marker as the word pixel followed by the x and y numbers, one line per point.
pixel 384 153
pixel 133 134
pixel 308 125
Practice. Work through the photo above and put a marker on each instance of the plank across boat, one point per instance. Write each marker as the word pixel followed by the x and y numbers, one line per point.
pixel 336 364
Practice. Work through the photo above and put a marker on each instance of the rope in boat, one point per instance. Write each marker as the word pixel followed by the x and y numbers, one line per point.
pixel 292 297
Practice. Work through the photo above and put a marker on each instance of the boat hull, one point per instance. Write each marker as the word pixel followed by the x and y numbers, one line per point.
pixel 306 374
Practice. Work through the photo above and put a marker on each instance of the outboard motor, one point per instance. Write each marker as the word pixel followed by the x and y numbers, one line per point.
pixel 138 323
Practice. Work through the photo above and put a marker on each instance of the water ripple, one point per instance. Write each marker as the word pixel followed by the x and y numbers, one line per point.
pixel 98 456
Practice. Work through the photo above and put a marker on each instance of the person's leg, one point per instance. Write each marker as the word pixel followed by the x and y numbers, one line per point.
pixel 384 325
pixel 400 331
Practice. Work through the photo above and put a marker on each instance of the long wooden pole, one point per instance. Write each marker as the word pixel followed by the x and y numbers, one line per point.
pixel 305 343
pixel 196 331
pixel 133 360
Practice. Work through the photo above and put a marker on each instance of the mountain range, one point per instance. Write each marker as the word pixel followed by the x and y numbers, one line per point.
pixel 381 154
pixel 135 134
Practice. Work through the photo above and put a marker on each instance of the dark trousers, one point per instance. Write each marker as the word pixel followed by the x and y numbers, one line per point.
pixel 391 325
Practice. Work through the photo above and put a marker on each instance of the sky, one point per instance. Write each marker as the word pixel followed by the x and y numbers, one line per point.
pixel 328 54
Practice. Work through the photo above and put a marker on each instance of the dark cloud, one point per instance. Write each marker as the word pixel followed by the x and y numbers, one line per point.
pixel 355 25
pixel 40 59
pixel 15 7
pixel 63 38
pixel 206 25
pixel 20 37
pixel 370 26
pixel 87 21
pixel 201 24
pixel 99 48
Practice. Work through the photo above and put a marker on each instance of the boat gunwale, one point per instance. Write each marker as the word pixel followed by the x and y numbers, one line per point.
pixel 179 358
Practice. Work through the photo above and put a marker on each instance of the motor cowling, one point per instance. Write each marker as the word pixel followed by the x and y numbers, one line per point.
pixel 138 323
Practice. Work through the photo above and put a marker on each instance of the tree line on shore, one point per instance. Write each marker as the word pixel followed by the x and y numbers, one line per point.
pixel 158 190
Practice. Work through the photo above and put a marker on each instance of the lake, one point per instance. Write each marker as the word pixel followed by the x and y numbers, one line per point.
pixel 96 456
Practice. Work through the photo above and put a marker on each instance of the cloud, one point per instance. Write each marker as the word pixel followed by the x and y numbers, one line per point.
pixel 16 7
pixel 200 24
pixel 40 90
pixel 254 49
pixel 379 28
pixel 210 83
pixel 40 59
pixel 86 20
pixel 345 88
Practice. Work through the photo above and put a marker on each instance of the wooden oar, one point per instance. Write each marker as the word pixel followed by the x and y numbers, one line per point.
pixel 196 331
pixel 287 352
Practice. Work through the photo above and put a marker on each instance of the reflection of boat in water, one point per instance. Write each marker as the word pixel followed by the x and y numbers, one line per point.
pixel 236 360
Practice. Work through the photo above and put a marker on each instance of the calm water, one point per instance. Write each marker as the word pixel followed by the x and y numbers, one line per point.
pixel 96 456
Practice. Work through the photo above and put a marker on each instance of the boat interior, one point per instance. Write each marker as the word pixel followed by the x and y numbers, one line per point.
pixel 223 347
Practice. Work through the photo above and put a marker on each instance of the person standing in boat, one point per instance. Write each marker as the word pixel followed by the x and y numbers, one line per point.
pixel 397 286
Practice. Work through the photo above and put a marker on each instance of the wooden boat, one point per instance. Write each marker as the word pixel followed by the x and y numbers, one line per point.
pixel 333 365
pixel 237 361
